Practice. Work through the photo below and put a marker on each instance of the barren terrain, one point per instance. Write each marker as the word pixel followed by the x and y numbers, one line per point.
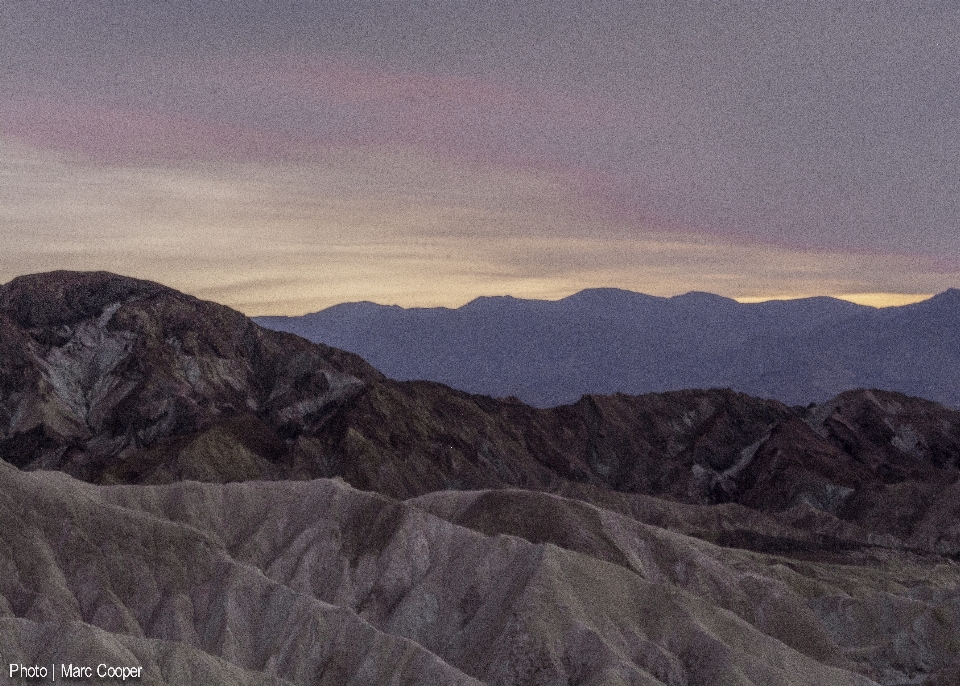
pixel 218 503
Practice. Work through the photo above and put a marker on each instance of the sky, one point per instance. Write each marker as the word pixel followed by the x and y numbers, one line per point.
pixel 281 157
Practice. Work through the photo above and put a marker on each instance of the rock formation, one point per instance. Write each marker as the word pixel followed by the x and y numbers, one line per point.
pixel 218 503
pixel 109 378
pixel 317 583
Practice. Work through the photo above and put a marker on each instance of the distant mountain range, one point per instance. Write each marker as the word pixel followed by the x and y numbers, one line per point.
pixel 606 340
pixel 185 492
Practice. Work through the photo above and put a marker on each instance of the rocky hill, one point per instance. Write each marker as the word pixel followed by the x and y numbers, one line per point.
pixel 603 341
pixel 692 537
pixel 105 377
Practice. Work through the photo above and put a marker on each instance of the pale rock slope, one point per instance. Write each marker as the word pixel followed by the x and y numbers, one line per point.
pixel 314 582
pixel 180 490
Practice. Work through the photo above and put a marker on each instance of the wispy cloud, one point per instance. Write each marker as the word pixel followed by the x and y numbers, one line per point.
pixel 748 151
pixel 286 239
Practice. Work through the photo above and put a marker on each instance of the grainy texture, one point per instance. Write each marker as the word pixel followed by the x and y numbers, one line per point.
pixel 605 340
pixel 113 379
pixel 315 582
pixel 690 538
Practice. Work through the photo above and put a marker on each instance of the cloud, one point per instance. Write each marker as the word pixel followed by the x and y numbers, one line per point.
pixel 752 151
pixel 384 226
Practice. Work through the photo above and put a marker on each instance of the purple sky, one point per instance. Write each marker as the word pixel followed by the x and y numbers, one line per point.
pixel 284 156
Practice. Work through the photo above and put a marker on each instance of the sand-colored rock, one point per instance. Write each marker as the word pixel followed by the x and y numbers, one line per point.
pixel 315 582
pixel 692 538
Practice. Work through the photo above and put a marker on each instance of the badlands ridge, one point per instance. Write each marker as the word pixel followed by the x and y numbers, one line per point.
pixel 188 492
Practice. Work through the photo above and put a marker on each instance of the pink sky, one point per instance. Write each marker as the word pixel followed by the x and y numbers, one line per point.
pixel 606 156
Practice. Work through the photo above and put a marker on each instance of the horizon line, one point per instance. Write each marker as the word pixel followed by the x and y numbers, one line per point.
pixel 878 300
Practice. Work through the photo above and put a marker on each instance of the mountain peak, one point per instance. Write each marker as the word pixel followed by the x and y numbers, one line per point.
pixel 90 393
pixel 608 297
pixel 948 300
pixel 177 389
pixel 64 297
pixel 603 340
pixel 951 294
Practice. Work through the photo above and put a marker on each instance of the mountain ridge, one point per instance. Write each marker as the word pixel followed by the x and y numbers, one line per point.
pixel 256 508
pixel 140 384
pixel 549 353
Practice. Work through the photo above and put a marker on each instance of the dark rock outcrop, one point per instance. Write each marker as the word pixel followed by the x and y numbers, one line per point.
pixel 691 537
pixel 113 379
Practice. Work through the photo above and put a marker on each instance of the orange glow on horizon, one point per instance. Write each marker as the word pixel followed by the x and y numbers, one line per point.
pixel 869 299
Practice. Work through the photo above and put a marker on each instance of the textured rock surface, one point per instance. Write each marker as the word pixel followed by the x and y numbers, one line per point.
pixel 843 472
pixel 115 380
pixel 685 538
pixel 314 582
pixel 110 378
